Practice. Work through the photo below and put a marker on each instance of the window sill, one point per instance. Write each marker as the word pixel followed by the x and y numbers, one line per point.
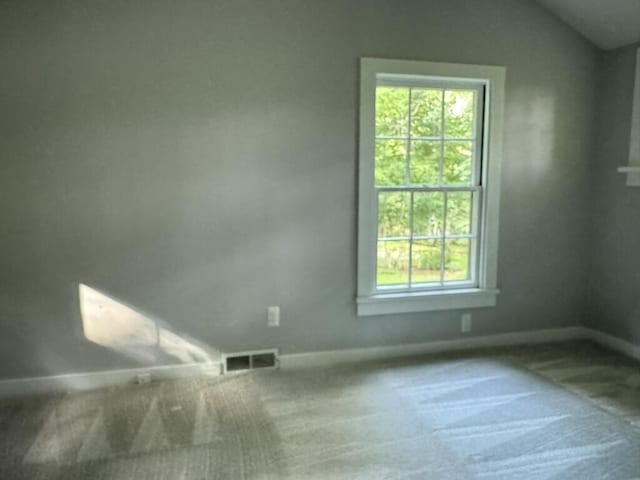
pixel 390 303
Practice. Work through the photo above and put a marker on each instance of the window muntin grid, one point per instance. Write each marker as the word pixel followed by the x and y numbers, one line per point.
pixel 428 158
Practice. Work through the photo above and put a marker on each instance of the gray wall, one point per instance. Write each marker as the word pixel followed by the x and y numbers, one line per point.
pixel 613 301
pixel 197 161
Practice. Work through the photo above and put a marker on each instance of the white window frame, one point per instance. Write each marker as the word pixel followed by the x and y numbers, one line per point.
pixel 632 170
pixel 375 301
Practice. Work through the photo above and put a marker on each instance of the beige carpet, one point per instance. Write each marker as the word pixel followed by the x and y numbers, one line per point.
pixel 568 411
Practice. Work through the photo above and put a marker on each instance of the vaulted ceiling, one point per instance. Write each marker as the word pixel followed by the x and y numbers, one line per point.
pixel 607 23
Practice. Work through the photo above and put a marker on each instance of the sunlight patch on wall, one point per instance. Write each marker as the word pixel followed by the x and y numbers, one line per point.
pixel 534 116
pixel 112 324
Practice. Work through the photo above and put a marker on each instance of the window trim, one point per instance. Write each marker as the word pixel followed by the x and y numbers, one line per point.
pixel 369 300
pixel 632 170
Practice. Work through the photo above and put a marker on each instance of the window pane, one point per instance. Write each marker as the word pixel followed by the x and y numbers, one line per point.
pixel 456 265
pixel 459 113
pixel 426 261
pixel 391 162
pixel 393 262
pixel 426 112
pixel 425 162
pixel 393 214
pixel 457 163
pixel 392 111
pixel 459 206
pixel 428 214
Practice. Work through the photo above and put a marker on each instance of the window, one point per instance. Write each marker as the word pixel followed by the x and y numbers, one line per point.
pixel 430 140
pixel 633 169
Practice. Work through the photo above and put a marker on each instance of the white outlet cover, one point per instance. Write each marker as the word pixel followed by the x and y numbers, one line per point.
pixel 466 323
pixel 273 316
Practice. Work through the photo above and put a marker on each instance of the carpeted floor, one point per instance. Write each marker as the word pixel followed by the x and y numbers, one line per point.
pixel 564 411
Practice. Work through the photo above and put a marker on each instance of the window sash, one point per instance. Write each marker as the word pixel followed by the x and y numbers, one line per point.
pixel 474 238
pixel 475 187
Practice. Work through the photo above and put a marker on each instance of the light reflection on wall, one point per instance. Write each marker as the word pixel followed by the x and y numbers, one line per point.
pixel 114 325
pixel 534 115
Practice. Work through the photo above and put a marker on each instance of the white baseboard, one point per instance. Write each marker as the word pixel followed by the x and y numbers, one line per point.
pixel 111 378
pixel 94 380
pixel 338 357
pixel 614 343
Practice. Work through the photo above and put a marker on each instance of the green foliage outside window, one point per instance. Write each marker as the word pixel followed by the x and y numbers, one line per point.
pixel 424 137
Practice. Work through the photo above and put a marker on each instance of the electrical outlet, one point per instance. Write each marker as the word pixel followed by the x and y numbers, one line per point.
pixel 465 325
pixel 273 316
